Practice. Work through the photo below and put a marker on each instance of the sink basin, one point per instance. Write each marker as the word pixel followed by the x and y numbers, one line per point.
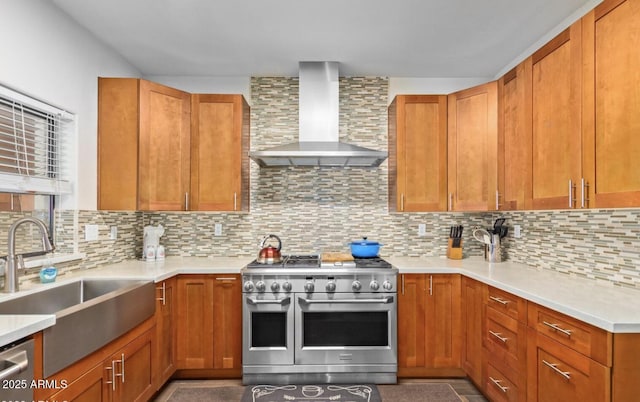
pixel 89 314
pixel 55 300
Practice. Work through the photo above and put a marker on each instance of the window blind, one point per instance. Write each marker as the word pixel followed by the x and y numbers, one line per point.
pixel 33 146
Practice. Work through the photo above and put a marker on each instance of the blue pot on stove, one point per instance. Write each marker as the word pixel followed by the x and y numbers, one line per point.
pixel 365 248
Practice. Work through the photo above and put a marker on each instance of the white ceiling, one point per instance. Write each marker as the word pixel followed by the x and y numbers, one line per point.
pixel 398 38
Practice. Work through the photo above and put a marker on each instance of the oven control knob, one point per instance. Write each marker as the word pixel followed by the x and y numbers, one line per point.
pixel 308 287
pixel 331 287
pixel 286 287
pixel 275 286
pixel 248 286
pixel 374 285
pixel 356 286
pixel 260 286
pixel 386 285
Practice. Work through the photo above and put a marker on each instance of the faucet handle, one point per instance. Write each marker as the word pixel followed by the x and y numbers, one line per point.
pixel 20 261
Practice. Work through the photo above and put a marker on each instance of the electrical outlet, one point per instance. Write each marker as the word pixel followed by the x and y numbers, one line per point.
pixel 217 229
pixel 422 229
pixel 91 232
pixel 517 232
pixel 113 233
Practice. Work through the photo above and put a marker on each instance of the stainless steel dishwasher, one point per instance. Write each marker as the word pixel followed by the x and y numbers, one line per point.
pixel 16 371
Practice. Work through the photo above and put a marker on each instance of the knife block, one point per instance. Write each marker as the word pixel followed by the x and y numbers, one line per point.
pixel 454 253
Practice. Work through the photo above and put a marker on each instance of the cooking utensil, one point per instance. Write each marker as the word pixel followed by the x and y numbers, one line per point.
pixel 269 254
pixel 365 248
pixel 482 235
pixel 498 224
pixel 503 231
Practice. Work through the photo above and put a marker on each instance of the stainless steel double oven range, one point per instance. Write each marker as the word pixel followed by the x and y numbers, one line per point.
pixel 305 321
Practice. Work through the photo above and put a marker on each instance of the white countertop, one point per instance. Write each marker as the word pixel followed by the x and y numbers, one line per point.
pixel 603 305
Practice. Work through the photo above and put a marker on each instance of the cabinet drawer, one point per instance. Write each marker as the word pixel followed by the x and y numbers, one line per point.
pixel 505 340
pixel 561 374
pixel 511 305
pixel 499 387
pixel 584 338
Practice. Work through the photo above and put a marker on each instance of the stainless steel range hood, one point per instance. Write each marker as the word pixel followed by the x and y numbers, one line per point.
pixel 318 143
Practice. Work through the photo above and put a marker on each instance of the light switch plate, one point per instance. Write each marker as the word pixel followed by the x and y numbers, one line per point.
pixel 516 231
pixel 113 233
pixel 91 232
pixel 422 229
pixel 217 229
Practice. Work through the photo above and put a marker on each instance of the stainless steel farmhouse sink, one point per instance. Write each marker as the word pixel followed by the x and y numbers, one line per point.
pixel 89 314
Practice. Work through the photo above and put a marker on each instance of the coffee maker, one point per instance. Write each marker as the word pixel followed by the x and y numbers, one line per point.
pixel 151 241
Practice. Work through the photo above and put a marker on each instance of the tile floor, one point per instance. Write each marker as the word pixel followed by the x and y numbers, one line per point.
pixel 462 386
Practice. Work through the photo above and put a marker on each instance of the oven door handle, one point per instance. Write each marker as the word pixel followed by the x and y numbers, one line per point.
pixel 281 302
pixel 384 300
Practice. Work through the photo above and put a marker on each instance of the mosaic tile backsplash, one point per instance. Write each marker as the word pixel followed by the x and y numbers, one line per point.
pixel 322 209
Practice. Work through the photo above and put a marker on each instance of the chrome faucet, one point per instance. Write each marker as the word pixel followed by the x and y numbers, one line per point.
pixel 15 262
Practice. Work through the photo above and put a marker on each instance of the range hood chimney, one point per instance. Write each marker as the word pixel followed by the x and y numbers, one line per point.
pixel 318 143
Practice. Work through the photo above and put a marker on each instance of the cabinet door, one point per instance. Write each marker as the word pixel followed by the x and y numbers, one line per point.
pixel 558 373
pixel 88 388
pixel 473 147
pixel 195 332
pixel 132 370
pixel 227 322
pixel 556 108
pixel 472 322
pixel 611 34
pixel 219 149
pixel 443 321
pixel 118 143
pixel 418 153
pixel 164 153
pixel 411 322
pixel 514 138
pixel 165 332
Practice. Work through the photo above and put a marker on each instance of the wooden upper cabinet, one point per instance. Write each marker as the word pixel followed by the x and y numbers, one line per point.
pixel 164 154
pixel 472 151
pixel 514 138
pixel 219 153
pixel 143 145
pixel 611 122
pixel 556 111
pixel 161 149
pixel 118 110
pixel 418 153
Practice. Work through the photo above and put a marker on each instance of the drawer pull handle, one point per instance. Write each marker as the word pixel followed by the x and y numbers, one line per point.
pixel 499 300
pixel 500 338
pixel 554 367
pixel 497 384
pixel 555 327
pixel 226 279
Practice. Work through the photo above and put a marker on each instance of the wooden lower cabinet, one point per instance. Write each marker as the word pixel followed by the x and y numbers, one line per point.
pixel 473 294
pixel 429 333
pixel 165 332
pixel 88 388
pixel 209 337
pixel 119 372
pixel 559 373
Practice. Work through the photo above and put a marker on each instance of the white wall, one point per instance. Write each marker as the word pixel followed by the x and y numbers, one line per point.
pixel 431 86
pixel 48 56
pixel 206 85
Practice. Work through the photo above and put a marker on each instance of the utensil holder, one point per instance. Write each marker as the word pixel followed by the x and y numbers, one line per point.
pixel 493 252
pixel 454 253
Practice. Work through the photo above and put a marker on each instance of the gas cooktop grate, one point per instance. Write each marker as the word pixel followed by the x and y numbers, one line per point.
pixel 314 261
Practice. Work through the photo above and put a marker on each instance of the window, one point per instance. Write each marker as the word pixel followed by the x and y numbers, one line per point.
pixel 31 148
pixel 34 137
